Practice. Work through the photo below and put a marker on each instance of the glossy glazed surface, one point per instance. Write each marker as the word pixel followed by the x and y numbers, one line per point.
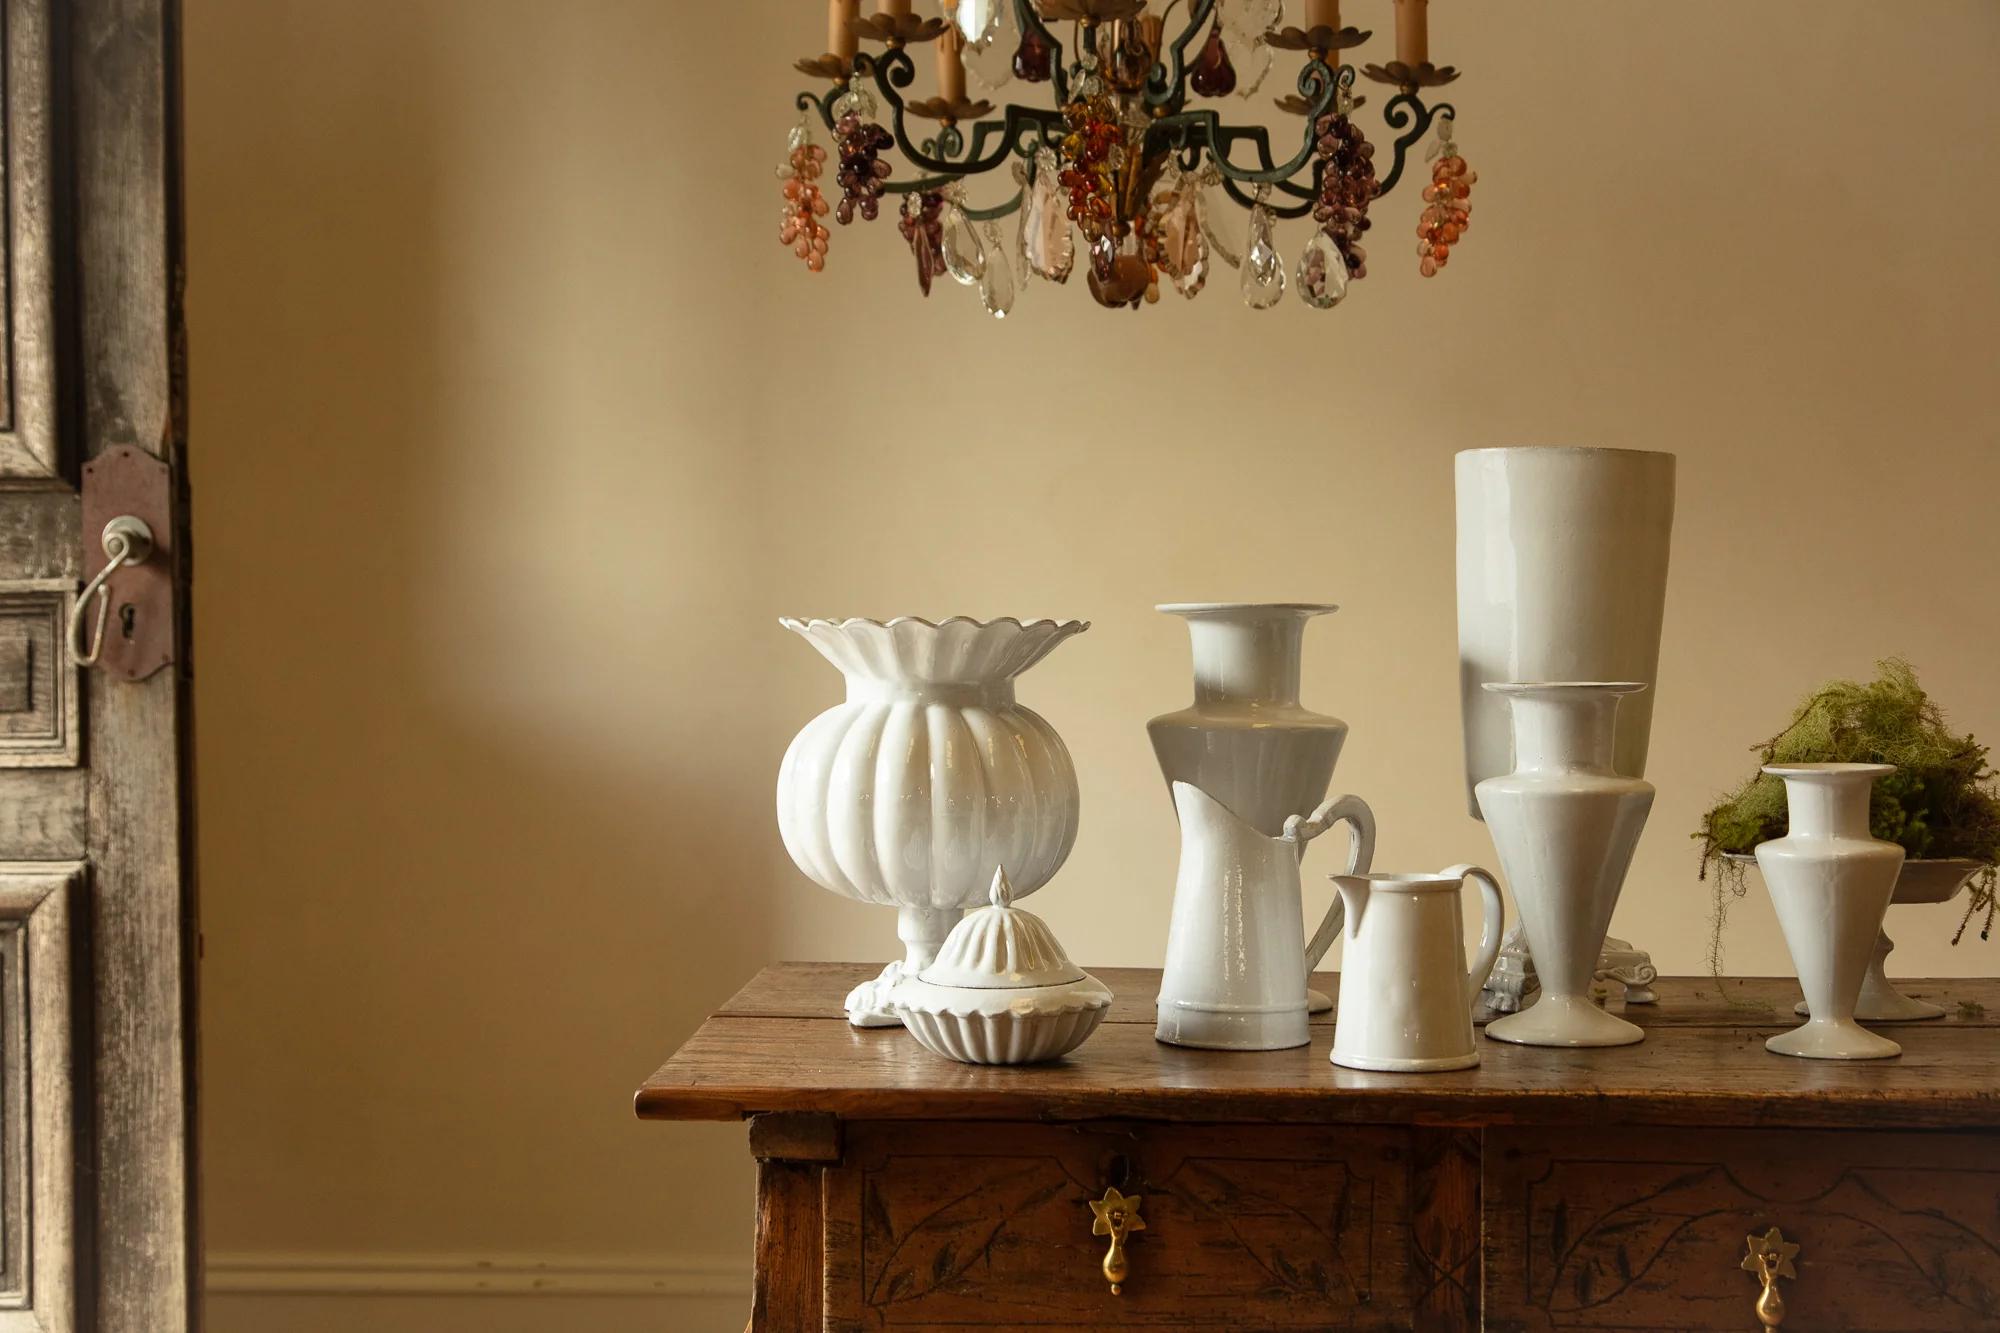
pixel 928 777
pixel 1831 884
pixel 1566 826
pixel 1562 575
pixel 1406 994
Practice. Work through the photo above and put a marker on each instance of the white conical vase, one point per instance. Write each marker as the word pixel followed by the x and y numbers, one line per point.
pixel 1565 824
pixel 1830 883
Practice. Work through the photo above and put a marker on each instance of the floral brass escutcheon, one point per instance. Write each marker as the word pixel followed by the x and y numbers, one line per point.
pixel 1770 1258
pixel 1117 1216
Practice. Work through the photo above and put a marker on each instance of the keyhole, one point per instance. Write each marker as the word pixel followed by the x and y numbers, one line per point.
pixel 126 615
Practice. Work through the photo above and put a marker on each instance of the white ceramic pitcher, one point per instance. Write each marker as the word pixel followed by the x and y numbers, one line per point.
pixel 1406 995
pixel 1237 956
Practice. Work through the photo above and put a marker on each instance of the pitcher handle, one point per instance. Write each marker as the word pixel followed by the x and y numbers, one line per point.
pixel 1354 812
pixel 1494 928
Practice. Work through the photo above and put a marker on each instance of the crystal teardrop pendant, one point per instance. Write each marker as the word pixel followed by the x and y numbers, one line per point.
pixel 1252 60
pixel 964 252
pixel 1214 75
pixel 1180 240
pixel 1252 17
pixel 997 288
pixel 989 58
pixel 1263 268
pixel 1034 59
pixel 1048 247
pixel 1323 276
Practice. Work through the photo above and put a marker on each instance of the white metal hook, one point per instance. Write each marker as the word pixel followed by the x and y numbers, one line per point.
pixel 127 541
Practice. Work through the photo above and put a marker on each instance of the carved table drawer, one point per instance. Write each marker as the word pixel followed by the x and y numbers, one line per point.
pixel 1646 1229
pixel 933 1226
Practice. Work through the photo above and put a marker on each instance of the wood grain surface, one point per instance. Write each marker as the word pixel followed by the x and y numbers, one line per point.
pixel 1693 1068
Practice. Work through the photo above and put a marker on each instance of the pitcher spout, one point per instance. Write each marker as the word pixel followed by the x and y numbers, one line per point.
pixel 1354 892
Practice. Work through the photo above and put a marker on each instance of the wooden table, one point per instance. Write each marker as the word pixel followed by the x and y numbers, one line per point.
pixel 1590 1190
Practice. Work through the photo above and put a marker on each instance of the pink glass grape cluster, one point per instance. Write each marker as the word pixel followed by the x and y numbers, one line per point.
pixel 1447 212
pixel 800 226
pixel 862 170
pixel 1347 187
pixel 923 227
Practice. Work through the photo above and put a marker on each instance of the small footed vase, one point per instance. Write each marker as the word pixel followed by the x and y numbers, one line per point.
pixel 1831 884
pixel 1566 825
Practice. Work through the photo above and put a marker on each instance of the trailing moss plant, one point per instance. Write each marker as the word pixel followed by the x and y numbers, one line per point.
pixel 1940 802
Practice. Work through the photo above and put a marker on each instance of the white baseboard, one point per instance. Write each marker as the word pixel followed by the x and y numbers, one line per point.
pixel 675 1277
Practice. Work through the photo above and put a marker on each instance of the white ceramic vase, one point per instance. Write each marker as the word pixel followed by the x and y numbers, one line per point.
pixel 1831 884
pixel 1566 825
pixel 1256 763
pixel 1562 575
pixel 928 779
pixel 1922 880
pixel 1406 994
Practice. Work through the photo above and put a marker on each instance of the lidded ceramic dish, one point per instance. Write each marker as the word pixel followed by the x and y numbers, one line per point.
pixel 1001 991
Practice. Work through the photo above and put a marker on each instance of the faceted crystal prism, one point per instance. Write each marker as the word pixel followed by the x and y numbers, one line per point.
pixel 1180 237
pixel 1323 275
pixel 1048 247
pixel 1263 268
pixel 964 252
pixel 989 57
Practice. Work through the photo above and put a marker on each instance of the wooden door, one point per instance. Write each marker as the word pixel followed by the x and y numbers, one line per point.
pixel 97 1223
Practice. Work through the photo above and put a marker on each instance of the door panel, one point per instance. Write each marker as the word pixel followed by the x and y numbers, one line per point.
pixel 36 1243
pixel 27 361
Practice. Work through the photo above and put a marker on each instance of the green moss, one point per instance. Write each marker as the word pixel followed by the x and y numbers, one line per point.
pixel 1940 802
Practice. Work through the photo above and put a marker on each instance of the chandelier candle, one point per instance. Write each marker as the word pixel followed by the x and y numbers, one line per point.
pixel 840 38
pixel 1135 107
pixel 1413 37
pixel 951 65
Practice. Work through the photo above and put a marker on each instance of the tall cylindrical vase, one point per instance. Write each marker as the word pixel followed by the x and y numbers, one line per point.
pixel 927 779
pixel 1562 575
pixel 1565 824
pixel 1830 882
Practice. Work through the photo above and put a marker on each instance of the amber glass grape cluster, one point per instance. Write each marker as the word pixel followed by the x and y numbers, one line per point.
pixel 1090 174
pixel 799 225
pixel 1346 188
pixel 862 170
pixel 923 227
pixel 1447 212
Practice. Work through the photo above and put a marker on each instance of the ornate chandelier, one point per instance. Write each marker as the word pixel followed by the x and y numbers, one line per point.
pixel 1127 155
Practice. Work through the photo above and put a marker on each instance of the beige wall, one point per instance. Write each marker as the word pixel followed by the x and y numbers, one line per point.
pixel 517 431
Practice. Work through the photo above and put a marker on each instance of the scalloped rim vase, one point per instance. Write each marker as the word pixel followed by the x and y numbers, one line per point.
pixel 927 779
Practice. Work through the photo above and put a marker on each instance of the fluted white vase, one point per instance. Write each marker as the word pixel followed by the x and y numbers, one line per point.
pixel 1566 825
pixel 928 779
pixel 1830 882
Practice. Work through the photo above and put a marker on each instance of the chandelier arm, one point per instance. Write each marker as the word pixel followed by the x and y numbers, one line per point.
pixel 1403 109
pixel 1166 85
pixel 812 101
pixel 1286 211
pixel 895 71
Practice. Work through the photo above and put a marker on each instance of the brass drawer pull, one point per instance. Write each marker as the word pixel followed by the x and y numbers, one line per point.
pixel 1770 1258
pixel 1117 1217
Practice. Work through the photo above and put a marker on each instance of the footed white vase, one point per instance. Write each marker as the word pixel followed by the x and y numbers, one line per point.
pixel 928 779
pixel 1566 825
pixel 1831 883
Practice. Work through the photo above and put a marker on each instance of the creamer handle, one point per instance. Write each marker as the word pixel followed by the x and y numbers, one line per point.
pixel 1491 932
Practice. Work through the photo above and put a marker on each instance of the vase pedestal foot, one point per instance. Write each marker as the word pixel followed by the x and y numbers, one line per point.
pixel 1318 1002
pixel 868 1004
pixel 1564 1020
pixel 1832 1039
